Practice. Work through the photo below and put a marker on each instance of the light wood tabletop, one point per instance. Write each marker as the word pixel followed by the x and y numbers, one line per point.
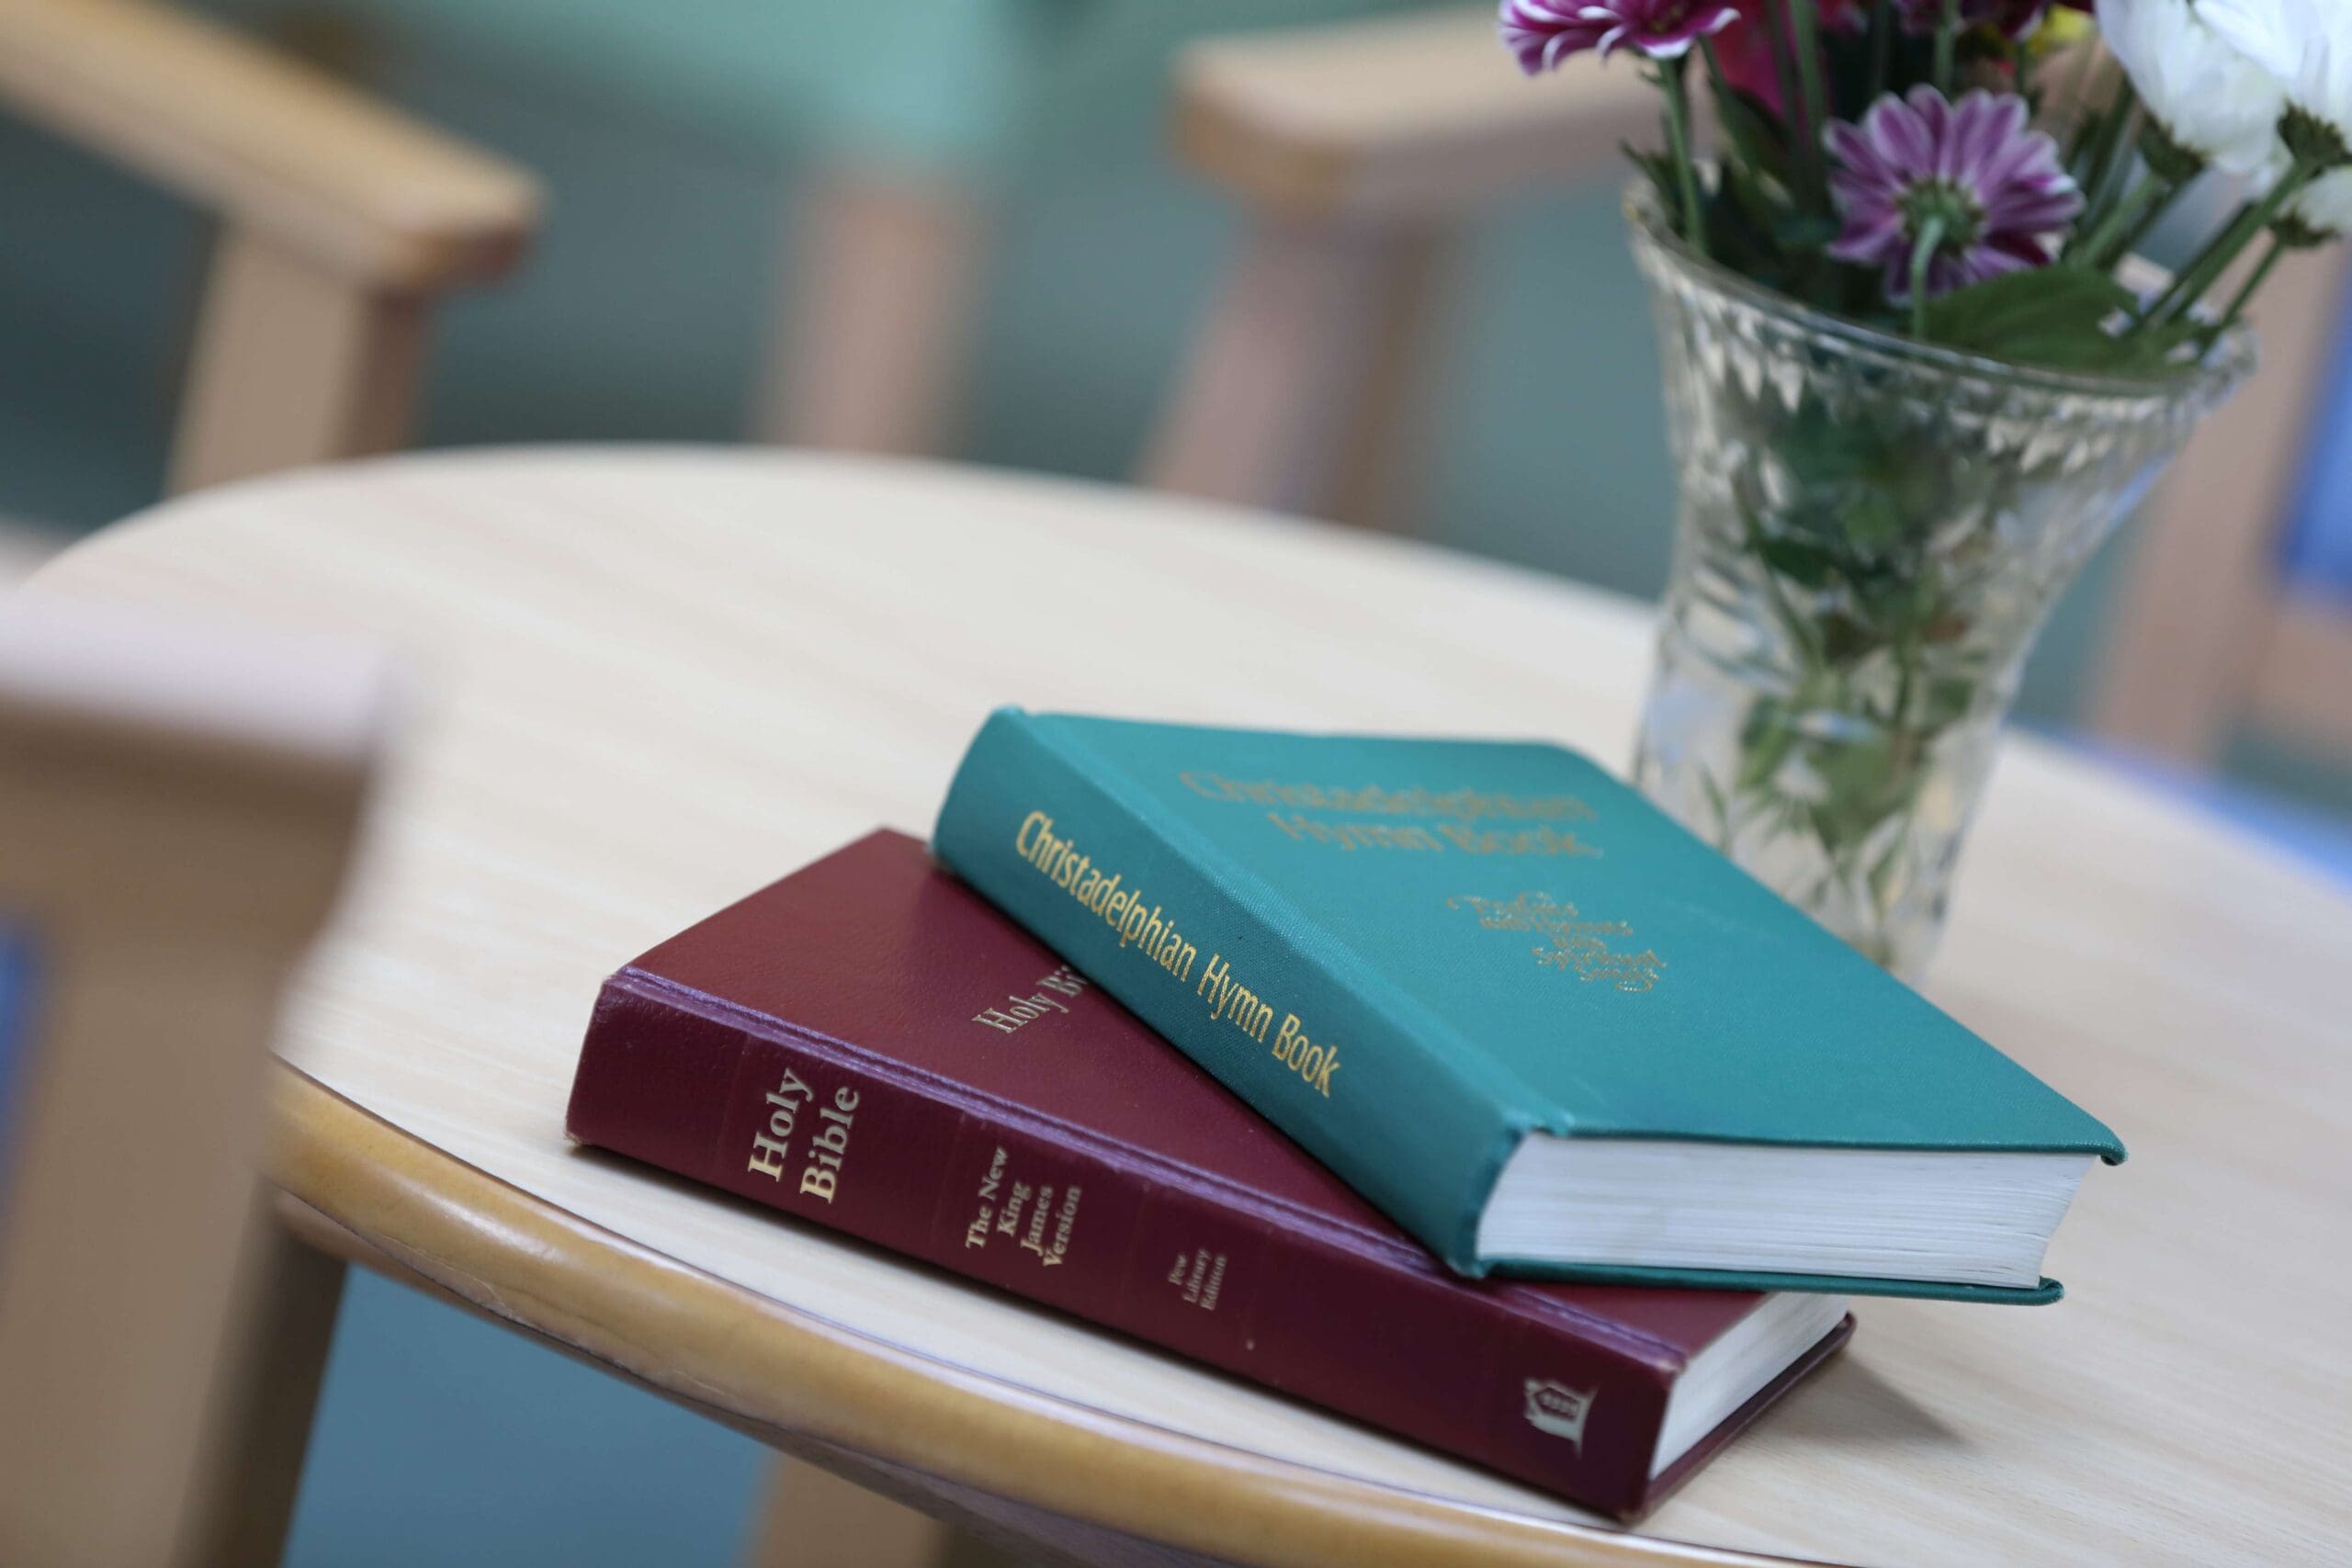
pixel 650 681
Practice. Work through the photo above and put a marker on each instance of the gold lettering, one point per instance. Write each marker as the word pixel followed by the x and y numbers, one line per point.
pixel 767 1156
pixel 769 1147
pixel 828 1146
pixel 1211 786
pixel 1579 945
pixel 1031 826
pixel 1008 1221
pixel 1313 1062
pixel 1034 1239
pixel 1154 928
pixel 1464 805
pixel 1353 836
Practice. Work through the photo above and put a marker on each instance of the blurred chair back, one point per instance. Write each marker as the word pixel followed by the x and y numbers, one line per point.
pixel 2209 633
pixel 177 809
pixel 342 222
pixel 1361 152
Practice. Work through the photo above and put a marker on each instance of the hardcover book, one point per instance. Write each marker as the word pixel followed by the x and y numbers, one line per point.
pixel 868 1046
pixel 1522 1010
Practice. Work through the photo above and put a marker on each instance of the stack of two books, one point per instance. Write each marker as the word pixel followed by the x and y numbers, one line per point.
pixel 1455 1089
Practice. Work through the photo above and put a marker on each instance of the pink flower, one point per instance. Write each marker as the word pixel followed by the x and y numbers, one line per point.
pixel 1545 32
pixel 1744 50
pixel 2002 198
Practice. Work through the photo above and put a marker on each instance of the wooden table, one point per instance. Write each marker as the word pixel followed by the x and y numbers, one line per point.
pixel 653 680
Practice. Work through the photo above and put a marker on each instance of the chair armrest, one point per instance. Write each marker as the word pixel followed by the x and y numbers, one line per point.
pixel 179 801
pixel 361 190
pixel 1414 117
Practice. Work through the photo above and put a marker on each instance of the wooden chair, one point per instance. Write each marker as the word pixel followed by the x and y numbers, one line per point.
pixel 2206 633
pixel 894 235
pixel 342 222
pixel 1360 151
pixel 176 807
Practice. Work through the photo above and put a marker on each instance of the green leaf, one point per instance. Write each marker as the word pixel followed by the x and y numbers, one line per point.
pixel 1866 781
pixel 2149 347
pixel 1882 872
pixel 1807 565
pixel 1658 169
pixel 1766 737
pixel 1946 702
pixel 1806 232
pixel 2064 318
pixel 1740 225
pixel 2050 315
pixel 1874 519
pixel 1845 639
pixel 1754 131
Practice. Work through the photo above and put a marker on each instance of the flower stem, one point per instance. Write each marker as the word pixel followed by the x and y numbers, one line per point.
pixel 2102 178
pixel 2077 98
pixel 2215 258
pixel 2099 247
pixel 2101 133
pixel 1804 38
pixel 1931 234
pixel 2147 220
pixel 1946 35
pixel 2253 280
pixel 1804 137
pixel 1671 74
pixel 1881 43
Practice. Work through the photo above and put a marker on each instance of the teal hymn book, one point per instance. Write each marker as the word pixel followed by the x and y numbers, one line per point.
pixel 1523 1012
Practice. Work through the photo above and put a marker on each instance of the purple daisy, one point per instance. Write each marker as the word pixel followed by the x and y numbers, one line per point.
pixel 2003 201
pixel 1545 32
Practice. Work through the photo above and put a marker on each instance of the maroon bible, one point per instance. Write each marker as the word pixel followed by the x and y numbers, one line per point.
pixel 869 1046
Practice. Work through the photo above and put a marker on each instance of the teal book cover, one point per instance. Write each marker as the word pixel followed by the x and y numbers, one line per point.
pixel 1417 957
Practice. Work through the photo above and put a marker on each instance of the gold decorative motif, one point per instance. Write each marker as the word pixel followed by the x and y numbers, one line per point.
pixel 1579 945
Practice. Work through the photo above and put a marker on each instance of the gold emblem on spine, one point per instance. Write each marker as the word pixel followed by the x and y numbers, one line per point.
pixel 1555 1407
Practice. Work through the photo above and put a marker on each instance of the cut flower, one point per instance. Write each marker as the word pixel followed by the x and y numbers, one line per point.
pixel 1541 33
pixel 2210 99
pixel 2322 211
pixel 2305 46
pixel 1968 179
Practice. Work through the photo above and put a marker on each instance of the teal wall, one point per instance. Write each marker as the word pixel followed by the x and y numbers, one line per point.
pixel 443 1440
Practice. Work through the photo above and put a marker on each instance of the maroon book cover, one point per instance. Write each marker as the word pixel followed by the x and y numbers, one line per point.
pixel 870 1046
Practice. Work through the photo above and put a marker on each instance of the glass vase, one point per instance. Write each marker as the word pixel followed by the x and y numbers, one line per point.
pixel 1872 534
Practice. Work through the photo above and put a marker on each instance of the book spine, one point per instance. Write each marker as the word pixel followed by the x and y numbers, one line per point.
pixel 1342 1062
pixel 835 1137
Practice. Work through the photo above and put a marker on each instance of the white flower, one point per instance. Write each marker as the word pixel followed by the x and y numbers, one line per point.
pixel 2324 205
pixel 2303 45
pixel 2208 94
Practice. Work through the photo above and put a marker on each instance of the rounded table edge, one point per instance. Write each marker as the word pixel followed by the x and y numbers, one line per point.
pixel 765 1365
